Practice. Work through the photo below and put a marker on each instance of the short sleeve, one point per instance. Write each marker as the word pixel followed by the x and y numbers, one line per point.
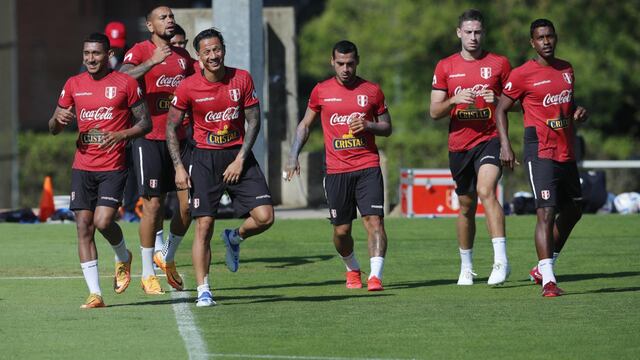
pixel 514 86
pixel 66 95
pixel 440 77
pixel 134 92
pixel 380 106
pixel 133 56
pixel 250 96
pixel 314 100
pixel 180 97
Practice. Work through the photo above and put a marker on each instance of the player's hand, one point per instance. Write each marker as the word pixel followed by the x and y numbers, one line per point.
pixel 111 138
pixel 358 124
pixel 507 157
pixel 580 115
pixel 182 179
pixel 65 116
pixel 160 53
pixel 466 96
pixel 292 168
pixel 488 95
pixel 232 173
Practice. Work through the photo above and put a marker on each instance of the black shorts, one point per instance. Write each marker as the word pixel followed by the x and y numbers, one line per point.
pixel 464 165
pixel 553 183
pixel 153 166
pixel 96 188
pixel 207 186
pixel 362 188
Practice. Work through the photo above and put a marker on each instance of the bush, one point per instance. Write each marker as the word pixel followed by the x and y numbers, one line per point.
pixel 43 154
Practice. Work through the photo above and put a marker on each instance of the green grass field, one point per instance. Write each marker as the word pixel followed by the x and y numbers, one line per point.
pixel 288 300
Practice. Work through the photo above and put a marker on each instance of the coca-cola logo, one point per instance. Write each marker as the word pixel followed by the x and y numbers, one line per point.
pixel 230 113
pixel 344 119
pixel 476 89
pixel 557 99
pixel 169 81
pixel 101 113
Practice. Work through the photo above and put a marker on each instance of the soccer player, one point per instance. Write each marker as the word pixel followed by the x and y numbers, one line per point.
pixel 159 67
pixel 352 113
pixel 464 88
pixel 544 85
pixel 221 100
pixel 104 101
pixel 179 38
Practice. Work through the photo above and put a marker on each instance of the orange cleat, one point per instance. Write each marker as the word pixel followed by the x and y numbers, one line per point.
pixel 353 279
pixel 374 284
pixel 93 301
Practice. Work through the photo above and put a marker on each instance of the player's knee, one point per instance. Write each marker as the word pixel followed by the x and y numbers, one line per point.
pixel 152 207
pixel 486 193
pixel 84 224
pixel 373 223
pixel 102 223
pixel 264 219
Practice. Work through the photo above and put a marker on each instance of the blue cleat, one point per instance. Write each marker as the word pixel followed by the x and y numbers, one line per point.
pixel 232 257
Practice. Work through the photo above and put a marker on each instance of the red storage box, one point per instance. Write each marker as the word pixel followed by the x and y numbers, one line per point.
pixel 431 193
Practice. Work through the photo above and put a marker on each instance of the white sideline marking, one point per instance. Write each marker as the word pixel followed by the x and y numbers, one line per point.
pixel 193 341
pixel 293 357
pixel 61 277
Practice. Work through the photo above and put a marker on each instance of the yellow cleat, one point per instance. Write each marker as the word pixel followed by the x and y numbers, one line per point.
pixel 93 301
pixel 151 285
pixel 123 275
pixel 173 278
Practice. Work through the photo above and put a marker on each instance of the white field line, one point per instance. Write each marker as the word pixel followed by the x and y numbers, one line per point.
pixel 61 277
pixel 193 341
pixel 293 357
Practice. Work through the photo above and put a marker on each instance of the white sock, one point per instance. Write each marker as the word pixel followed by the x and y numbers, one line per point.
pixel 555 257
pixel 466 259
pixel 206 279
pixel 203 288
pixel 171 246
pixel 122 255
pixel 545 267
pixel 235 237
pixel 91 276
pixel 159 240
pixel 147 262
pixel 377 265
pixel 500 250
pixel 351 262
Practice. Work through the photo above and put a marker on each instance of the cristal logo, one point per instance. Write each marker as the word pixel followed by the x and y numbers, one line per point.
pixel 101 113
pixel 169 81
pixel 477 88
pixel 344 119
pixel 230 113
pixel 557 99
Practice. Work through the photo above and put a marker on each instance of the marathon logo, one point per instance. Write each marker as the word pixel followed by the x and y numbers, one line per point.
pixel 93 136
pixel 349 143
pixel 558 123
pixel 469 114
pixel 222 137
pixel 164 103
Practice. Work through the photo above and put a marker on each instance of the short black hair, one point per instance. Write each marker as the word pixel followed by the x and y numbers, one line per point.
pixel 98 38
pixel 179 31
pixel 207 34
pixel 541 23
pixel 344 47
pixel 471 15
pixel 148 15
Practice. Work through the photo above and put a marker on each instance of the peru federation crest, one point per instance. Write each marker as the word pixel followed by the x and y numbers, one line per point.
pixel 485 72
pixel 234 94
pixel 546 194
pixel 363 100
pixel 110 92
pixel 183 64
pixel 567 77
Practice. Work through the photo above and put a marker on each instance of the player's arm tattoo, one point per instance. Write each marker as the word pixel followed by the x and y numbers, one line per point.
pixel 252 118
pixel 174 119
pixel 302 135
pixel 138 71
pixel 141 114
pixel 382 127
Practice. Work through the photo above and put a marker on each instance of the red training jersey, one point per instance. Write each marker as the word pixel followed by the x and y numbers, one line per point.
pixel 160 82
pixel 338 105
pixel 217 108
pixel 546 94
pixel 471 124
pixel 101 105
